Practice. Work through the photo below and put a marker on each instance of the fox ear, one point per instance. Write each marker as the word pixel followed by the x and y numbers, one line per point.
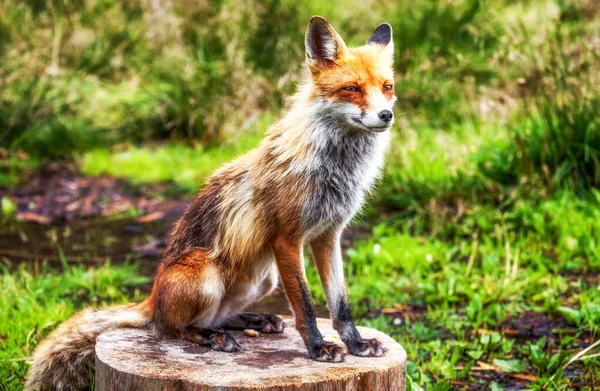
pixel 323 44
pixel 382 36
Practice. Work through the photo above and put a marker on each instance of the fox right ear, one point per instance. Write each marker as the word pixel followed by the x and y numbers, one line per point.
pixel 382 37
pixel 323 44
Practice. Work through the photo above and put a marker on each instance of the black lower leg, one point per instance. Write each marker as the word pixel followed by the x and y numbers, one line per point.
pixel 356 344
pixel 317 348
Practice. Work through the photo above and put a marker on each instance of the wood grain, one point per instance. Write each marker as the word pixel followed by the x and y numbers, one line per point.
pixel 133 359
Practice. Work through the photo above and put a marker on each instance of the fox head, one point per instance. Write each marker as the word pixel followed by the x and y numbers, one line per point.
pixel 356 85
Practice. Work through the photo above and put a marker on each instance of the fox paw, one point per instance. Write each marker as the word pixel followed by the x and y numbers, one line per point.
pixel 272 324
pixel 328 353
pixel 367 348
pixel 265 323
pixel 224 342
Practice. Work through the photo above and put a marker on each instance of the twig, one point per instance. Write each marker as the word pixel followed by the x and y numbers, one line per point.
pixel 515 267
pixel 579 355
pixel 508 262
pixel 472 258
pixel 589 356
pixel 488 367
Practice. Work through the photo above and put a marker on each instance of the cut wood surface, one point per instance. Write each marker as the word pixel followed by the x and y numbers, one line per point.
pixel 133 359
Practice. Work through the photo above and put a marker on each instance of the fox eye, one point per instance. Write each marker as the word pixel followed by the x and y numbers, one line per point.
pixel 388 87
pixel 352 89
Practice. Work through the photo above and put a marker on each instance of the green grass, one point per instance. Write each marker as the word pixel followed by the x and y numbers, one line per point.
pixel 188 166
pixel 33 301
pixel 466 288
pixel 559 140
pixel 77 76
pixel 473 285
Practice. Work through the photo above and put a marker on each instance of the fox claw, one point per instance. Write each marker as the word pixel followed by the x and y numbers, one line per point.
pixel 274 324
pixel 329 353
pixel 367 348
pixel 224 342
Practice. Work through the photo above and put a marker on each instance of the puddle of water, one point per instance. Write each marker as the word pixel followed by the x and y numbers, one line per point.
pixel 89 242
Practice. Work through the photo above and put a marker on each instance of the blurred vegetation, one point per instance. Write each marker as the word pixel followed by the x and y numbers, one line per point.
pixel 78 76
pixel 489 205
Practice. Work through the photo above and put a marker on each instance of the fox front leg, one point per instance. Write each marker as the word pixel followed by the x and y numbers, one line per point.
pixel 328 258
pixel 288 254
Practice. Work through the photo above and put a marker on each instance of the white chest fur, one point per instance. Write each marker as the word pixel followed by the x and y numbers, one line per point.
pixel 343 168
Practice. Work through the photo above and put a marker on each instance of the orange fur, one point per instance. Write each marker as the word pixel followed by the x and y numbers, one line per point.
pixel 177 298
pixel 362 68
pixel 322 248
pixel 291 269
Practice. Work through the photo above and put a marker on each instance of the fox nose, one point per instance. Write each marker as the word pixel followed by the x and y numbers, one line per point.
pixel 386 115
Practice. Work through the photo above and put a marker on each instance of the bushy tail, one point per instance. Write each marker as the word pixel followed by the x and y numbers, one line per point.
pixel 65 360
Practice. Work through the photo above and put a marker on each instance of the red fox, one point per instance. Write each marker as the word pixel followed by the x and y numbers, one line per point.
pixel 247 228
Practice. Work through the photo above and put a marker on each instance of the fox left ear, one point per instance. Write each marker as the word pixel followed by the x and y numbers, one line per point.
pixel 382 36
pixel 323 44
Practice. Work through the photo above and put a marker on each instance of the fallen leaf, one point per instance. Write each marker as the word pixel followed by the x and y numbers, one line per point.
pixel 509 366
pixel 33 217
pixel 151 217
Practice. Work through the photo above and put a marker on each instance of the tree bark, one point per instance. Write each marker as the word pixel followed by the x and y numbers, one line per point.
pixel 133 359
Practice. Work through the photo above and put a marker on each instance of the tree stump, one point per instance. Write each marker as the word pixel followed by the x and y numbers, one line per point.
pixel 133 359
